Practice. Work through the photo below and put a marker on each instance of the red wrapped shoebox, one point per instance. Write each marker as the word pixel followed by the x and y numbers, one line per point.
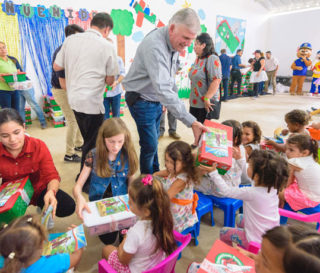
pixel 216 146
pixel 224 258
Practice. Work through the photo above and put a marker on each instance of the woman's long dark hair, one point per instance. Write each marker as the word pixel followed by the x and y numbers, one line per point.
pixel 205 38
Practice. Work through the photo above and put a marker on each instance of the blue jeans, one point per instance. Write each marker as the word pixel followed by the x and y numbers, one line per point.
pixel 147 116
pixel 28 95
pixel 225 88
pixel 10 99
pixel 313 86
pixel 115 106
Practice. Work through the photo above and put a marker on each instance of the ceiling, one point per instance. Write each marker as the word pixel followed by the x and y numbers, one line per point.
pixel 276 6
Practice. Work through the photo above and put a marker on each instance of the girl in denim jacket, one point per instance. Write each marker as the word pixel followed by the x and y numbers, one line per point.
pixel 111 164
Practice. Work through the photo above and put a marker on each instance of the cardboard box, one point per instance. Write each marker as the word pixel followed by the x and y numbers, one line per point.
pixel 108 215
pixel 15 197
pixel 224 258
pixel 216 146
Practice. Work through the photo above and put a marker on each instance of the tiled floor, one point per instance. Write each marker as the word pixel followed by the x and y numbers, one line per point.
pixel 268 111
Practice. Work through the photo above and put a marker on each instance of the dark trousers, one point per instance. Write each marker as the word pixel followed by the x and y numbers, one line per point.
pixel 10 99
pixel 89 125
pixel 199 113
pixel 66 205
pixel 224 84
pixel 235 77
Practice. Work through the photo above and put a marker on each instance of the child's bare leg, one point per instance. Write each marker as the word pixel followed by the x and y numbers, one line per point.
pixel 106 251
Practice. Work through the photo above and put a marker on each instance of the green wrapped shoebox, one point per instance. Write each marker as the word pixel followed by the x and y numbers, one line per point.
pixel 15 197
pixel 19 77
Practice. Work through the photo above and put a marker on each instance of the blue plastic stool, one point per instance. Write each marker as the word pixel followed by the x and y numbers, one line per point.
pixel 308 211
pixel 229 206
pixel 193 231
pixel 204 206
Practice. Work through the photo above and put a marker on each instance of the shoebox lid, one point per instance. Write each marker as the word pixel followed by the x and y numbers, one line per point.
pixel 109 214
pixel 19 77
pixel 216 146
pixel 225 258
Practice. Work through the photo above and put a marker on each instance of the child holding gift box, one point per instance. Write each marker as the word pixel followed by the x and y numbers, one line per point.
pixel 296 120
pixel 233 176
pixel 21 244
pixel 269 172
pixel 151 239
pixel 181 175
pixel 304 191
pixel 111 164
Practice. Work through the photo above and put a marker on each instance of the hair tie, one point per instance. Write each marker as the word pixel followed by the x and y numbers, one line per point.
pixel 29 219
pixel 147 180
pixel 11 255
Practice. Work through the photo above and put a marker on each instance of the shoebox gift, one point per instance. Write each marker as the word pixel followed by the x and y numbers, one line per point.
pixel 108 215
pixel 15 197
pixel 18 77
pixel 216 146
pixel 223 258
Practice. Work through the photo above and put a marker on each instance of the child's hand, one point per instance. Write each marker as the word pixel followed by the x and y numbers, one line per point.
pixel 284 132
pixel 270 142
pixel 72 227
pixel 236 153
pixel 208 169
pixel 315 125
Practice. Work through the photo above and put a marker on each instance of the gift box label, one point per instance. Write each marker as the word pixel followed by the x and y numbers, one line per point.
pixel 108 215
pixel 216 146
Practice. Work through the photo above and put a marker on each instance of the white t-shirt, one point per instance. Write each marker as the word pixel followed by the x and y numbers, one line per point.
pixel 271 64
pixel 141 242
pixel 308 178
pixel 87 59
pixel 260 208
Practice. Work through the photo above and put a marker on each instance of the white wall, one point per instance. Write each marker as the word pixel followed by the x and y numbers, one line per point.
pixel 255 14
pixel 288 31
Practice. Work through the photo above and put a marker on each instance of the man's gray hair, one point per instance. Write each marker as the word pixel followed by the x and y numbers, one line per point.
pixel 187 17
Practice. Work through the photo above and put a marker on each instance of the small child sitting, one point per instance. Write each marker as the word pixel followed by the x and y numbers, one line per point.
pixel 303 190
pixel 251 136
pixel 180 177
pixel 21 244
pixel 151 239
pixel 269 172
pixel 296 120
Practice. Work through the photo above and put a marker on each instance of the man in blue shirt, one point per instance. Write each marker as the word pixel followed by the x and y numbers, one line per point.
pixel 235 71
pixel 225 67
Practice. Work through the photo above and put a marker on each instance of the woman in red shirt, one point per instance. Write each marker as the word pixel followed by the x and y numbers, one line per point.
pixel 22 156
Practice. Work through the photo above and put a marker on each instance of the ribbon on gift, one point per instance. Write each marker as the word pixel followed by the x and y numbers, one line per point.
pixel 15 77
pixel 24 196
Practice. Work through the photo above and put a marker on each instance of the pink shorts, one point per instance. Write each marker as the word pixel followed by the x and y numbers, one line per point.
pixel 113 260
pixel 296 199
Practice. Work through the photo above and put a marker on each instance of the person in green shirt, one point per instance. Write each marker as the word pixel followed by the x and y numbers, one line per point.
pixel 9 98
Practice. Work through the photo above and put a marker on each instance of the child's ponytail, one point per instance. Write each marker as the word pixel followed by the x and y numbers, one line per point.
pixel 19 242
pixel 147 192
pixel 162 220
pixel 314 149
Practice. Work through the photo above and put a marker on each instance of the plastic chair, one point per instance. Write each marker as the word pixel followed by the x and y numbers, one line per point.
pixel 229 206
pixel 311 218
pixel 166 266
pixel 204 206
